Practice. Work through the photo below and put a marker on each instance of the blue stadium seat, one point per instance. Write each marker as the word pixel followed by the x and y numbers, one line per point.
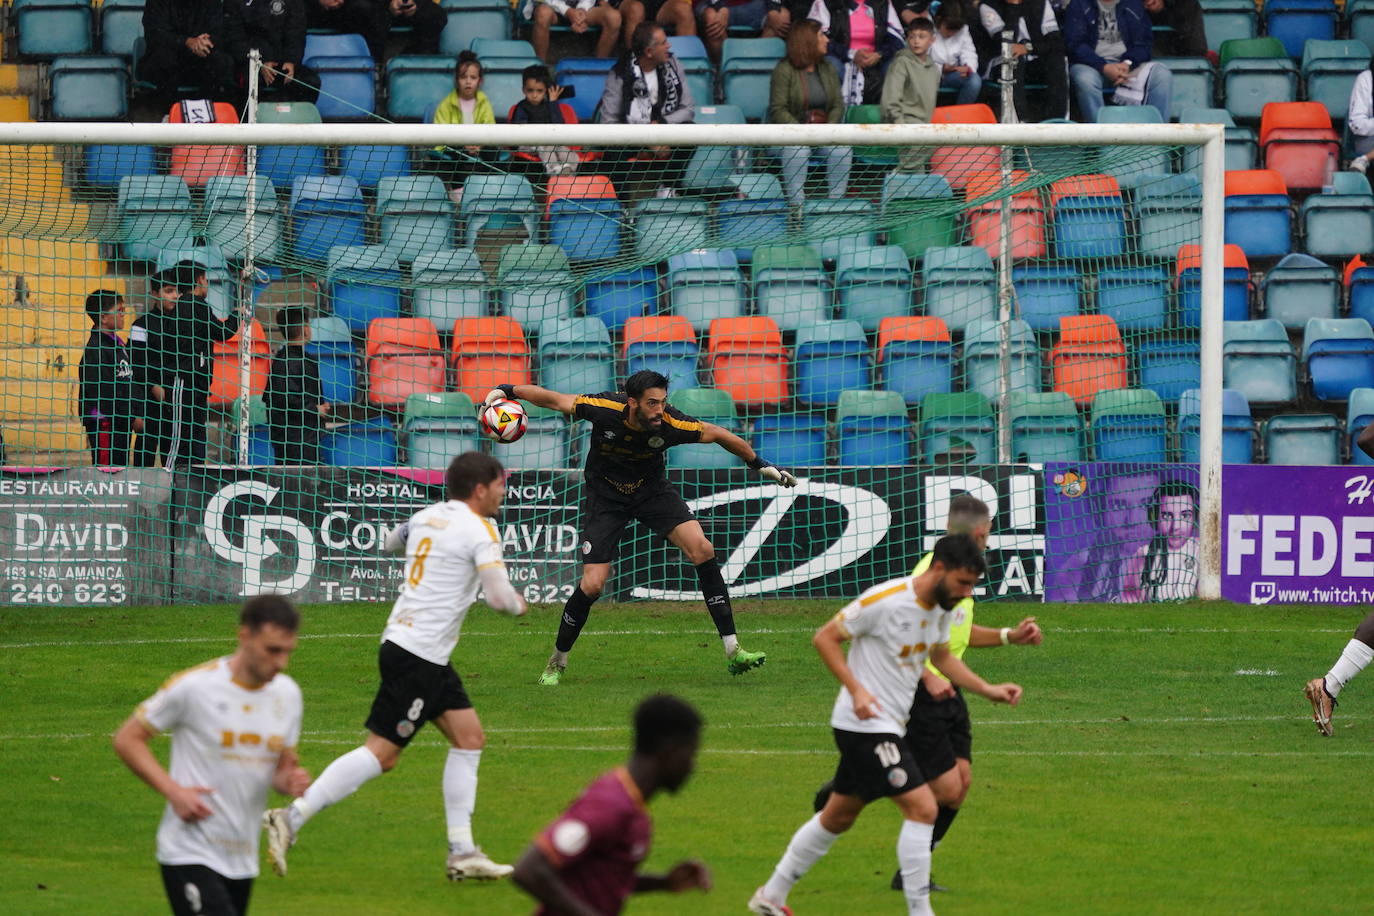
pixel 757 217
pixel 673 354
pixel 915 357
pixel 497 202
pixel 363 443
pixel 535 282
pixel 368 165
pixel 1129 424
pixel 711 166
pixel 152 210
pixel 872 429
pixel 575 355
pixel 831 357
pixel 415 82
pixel 284 164
pixel 1295 22
pixel 1258 361
pixel 958 284
pixel 331 343
pixel 1235 290
pixel 701 81
pixel 415 215
pixel 959 428
pixel 584 217
pixel 107 163
pixel 1044 293
pixel 1329 69
pixel 617 297
pixel 790 286
pixel 1169 214
pixel 1361 283
pixel 437 426
pixel 1237 428
pixel 348 89
pixel 471 19
pixel 832 226
pixel 121 26
pixel 364 283
pixel 325 212
pixel 1136 298
pixel 226 217
pixel 1339 223
pixel 1303 439
pixel 1193 83
pixel 982 359
pixel 1168 367
pixel 1088 217
pixel 745 80
pixel 89 88
pixel 664 226
pixel 704 285
pixel 1339 353
pixel 587 75
pixel 873 283
pixel 1300 287
pixel 769 49
pixel 50 28
pixel 449 285
pixel 1133 165
pixel 1359 415
pixel 1257 214
pixel 792 440
pixel 1224 20
pixel 1044 427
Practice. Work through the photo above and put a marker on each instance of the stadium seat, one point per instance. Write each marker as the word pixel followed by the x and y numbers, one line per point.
pixel 1136 298
pixel 1300 287
pixel 1329 69
pixel 957 428
pixel 89 88
pixel 121 27
pixel 871 157
pixel 1295 22
pixel 1133 165
pixel 224 370
pixel 792 440
pixel 1168 366
pixel 364 283
pixel 665 344
pixel 282 165
pixel 709 405
pixel 331 343
pixel 583 216
pixel 496 202
pixel 1046 293
pixel 449 285
pixel 1296 140
pixel 919 211
pixel 746 358
pixel 1360 280
pixel 1339 222
pixel 1193 85
pixel 587 76
pixel 535 282
pixel 502 82
pixel 107 163
pixel 1359 415
pixel 415 215
pixel 982 362
pixel 958 284
pixel 51 28
pixel 196 165
pixel 368 165
pixel 153 209
pixel 1257 214
pixel 1061 160
pixel 1303 439
pixel 488 352
pixel 617 297
pixel 1188 277
pixel 831 357
pixel 1088 358
pixel 437 426
pixel 472 19
pixel 705 285
pixel 1237 429
pixel 872 429
pixel 665 226
pixel 362 443
pixel 226 218
pixel 872 283
pixel 1088 217
pixel 915 357
pixel 758 216
pixel 1241 143
pixel 745 84
pixel 1339 355
pixel 1129 425
pixel 1258 361
pixel 403 358
pixel 345 66
pixel 503 46
pixel 1254 72
pixel 1224 20
pixel 260 450
pixel 1044 427
pixel 985 194
pixel 1168 214
pixel 960 163
pixel 790 286
pixel 575 355
pixel 828 224
pixel 414 82
pixel 1359 18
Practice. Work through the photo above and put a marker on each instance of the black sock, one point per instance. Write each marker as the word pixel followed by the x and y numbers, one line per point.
pixel 575 614
pixel 943 818
pixel 717 598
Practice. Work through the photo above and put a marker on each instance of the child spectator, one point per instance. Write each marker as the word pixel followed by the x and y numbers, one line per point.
pixel 910 88
pixel 466 104
pixel 580 15
pixel 296 409
pixel 955 54
pixel 107 379
pixel 540 106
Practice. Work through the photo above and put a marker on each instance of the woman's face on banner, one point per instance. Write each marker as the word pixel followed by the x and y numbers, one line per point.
pixel 1177 518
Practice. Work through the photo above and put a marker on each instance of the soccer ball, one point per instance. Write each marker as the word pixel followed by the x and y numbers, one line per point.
pixel 503 421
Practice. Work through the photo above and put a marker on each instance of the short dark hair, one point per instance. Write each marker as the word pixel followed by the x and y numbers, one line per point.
pixel 100 302
pixel 643 36
pixel 919 24
pixel 643 380
pixel 166 277
pixel 260 610
pixel 950 16
pixel 188 273
pixel 290 320
pixel 537 72
pixel 959 551
pixel 664 721
pixel 469 469
pixel 464 59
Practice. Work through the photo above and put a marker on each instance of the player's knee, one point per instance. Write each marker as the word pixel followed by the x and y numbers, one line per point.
pixel 838 821
pixel 473 740
pixel 1365 631
pixel 699 552
pixel 592 588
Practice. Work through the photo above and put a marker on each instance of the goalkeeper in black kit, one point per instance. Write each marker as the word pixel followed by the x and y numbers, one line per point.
pixel 625 480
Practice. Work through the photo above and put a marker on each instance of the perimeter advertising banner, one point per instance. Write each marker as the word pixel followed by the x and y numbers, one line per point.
pixel 1297 535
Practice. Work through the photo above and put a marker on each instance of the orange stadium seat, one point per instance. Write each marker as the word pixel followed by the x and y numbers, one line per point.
pixel 985 215
pixel 747 359
pixel 657 329
pixel 403 358
pixel 959 163
pixel 198 164
pixel 224 374
pixel 488 352
pixel 1298 142
pixel 1089 357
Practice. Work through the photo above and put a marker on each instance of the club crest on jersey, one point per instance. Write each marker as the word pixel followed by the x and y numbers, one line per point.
pixel 405 728
pixel 896 777
pixel 655 442
pixel 609 434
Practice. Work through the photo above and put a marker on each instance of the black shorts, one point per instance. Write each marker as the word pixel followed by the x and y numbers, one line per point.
pixel 938 733
pixel 604 518
pixel 874 765
pixel 413 691
pixel 195 890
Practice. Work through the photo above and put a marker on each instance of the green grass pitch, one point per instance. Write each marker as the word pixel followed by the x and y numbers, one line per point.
pixel 1163 761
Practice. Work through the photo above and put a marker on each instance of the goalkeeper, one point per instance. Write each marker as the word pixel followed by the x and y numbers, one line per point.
pixel 625 480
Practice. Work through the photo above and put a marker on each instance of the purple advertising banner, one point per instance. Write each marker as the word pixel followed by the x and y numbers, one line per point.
pixel 1297 535
pixel 1121 533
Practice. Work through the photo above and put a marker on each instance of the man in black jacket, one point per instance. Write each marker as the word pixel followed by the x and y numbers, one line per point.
pixel 277 29
pixel 374 19
pixel 106 395
pixel 1037 46
pixel 296 409
pixel 185 46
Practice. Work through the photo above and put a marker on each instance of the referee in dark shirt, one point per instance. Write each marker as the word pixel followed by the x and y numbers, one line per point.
pixel 625 480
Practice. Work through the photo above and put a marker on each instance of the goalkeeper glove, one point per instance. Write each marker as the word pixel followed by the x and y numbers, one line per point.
pixel 499 393
pixel 773 472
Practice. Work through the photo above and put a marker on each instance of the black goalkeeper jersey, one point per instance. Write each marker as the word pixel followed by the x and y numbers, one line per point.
pixel 622 460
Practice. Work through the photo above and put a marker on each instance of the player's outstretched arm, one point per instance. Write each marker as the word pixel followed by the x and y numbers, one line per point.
pixel 745 452
pixel 131 744
pixel 684 876
pixel 961 674
pixel 543 397
pixel 535 875
pixel 1025 633
pixel 396 538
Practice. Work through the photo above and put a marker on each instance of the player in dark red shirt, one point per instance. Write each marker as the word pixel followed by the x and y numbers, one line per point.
pixel 586 862
pixel 625 480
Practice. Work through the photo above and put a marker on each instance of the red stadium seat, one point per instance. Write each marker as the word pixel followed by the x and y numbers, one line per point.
pixel 198 164
pixel 747 359
pixel 224 373
pixel 1089 357
pixel 488 352
pixel 1298 142
pixel 960 163
pixel 984 214
pixel 403 358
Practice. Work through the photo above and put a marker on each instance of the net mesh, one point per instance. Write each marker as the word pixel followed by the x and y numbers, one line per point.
pixel 840 308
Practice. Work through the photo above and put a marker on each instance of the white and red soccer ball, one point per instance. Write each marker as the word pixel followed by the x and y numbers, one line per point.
pixel 503 421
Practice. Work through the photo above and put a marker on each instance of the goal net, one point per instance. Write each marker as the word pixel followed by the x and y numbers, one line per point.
pixel 297 319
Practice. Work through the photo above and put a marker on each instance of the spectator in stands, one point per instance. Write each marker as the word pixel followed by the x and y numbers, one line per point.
pixel 374 20
pixel 805 89
pixel 1037 49
pixel 910 89
pixel 955 54
pixel 580 15
pixel 277 30
pixel 466 104
pixel 296 408
pixel 106 397
pixel 185 45
pixel 1184 34
pixel 864 36
pixel 540 106
pixel 1110 44
pixel 1361 119
pixel 768 17
pixel 675 13
pixel 647 86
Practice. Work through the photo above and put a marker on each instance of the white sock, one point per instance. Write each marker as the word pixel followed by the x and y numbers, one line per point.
pixel 809 843
pixel 559 658
pixel 339 780
pixel 1353 660
pixel 460 797
pixel 913 855
pixel 731 643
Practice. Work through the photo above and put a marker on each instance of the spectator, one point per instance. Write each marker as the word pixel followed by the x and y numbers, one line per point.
pixel 864 36
pixel 580 15
pixel 1037 50
pixel 647 86
pixel 277 30
pixel 1184 34
pixel 954 53
pixel 714 18
pixel 540 106
pixel 805 89
pixel 675 13
pixel 1109 44
pixel 296 409
pixel 1361 119
pixel 374 19
pixel 106 397
pixel 466 104
pixel 186 44
pixel 909 91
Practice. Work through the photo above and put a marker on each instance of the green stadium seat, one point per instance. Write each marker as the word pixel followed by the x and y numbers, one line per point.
pixel 1129 424
pixel 535 282
pixel 790 286
pixel 710 405
pixel 1044 427
pixel 957 428
pixel 449 285
pixel 437 426
pixel 872 429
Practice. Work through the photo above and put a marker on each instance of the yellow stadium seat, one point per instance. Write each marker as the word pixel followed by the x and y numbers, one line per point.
pixel 55 218
pixel 40 362
pixel 56 272
pixel 26 399
pixel 9 76
pixel 22 327
pixel 15 108
pixel 46 442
